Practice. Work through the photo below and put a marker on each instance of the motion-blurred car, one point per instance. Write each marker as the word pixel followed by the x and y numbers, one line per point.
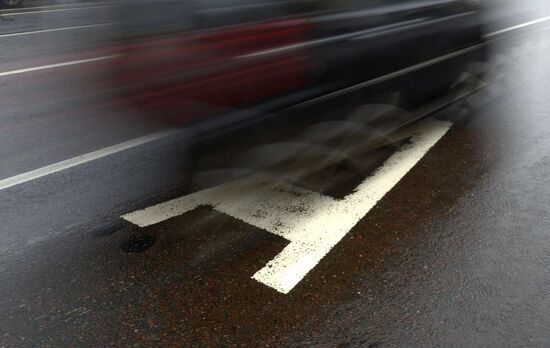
pixel 243 69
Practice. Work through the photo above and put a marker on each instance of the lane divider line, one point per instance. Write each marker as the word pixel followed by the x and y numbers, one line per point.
pixel 92 4
pixel 57 65
pixel 79 160
pixel 519 26
pixel 83 61
pixel 56 10
pixel 55 29
pixel 312 222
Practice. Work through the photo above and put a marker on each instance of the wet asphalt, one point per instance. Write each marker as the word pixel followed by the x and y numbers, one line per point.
pixel 457 254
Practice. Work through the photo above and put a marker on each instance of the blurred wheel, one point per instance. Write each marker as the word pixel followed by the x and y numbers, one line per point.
pixel 11 3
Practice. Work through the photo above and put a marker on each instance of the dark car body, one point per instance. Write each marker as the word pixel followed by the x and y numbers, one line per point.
pixel 244 69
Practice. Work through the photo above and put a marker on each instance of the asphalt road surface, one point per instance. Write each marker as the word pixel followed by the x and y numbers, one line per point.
pixel 450 247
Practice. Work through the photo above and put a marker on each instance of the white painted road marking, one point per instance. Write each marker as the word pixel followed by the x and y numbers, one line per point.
pixel 55 29
pixel 519 26
pixel 55 10
pixel 312 222
pixel 57 65
pixel 76 161
pixel 7 10
pixel 96 59
pixel 389 76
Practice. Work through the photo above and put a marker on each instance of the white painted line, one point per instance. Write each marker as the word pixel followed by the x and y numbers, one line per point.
pixel 56 10
pixel 76 161
pixel 7 10
pixel 57 65
pixel 55 29
pixel 519 26
pixel 313 223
